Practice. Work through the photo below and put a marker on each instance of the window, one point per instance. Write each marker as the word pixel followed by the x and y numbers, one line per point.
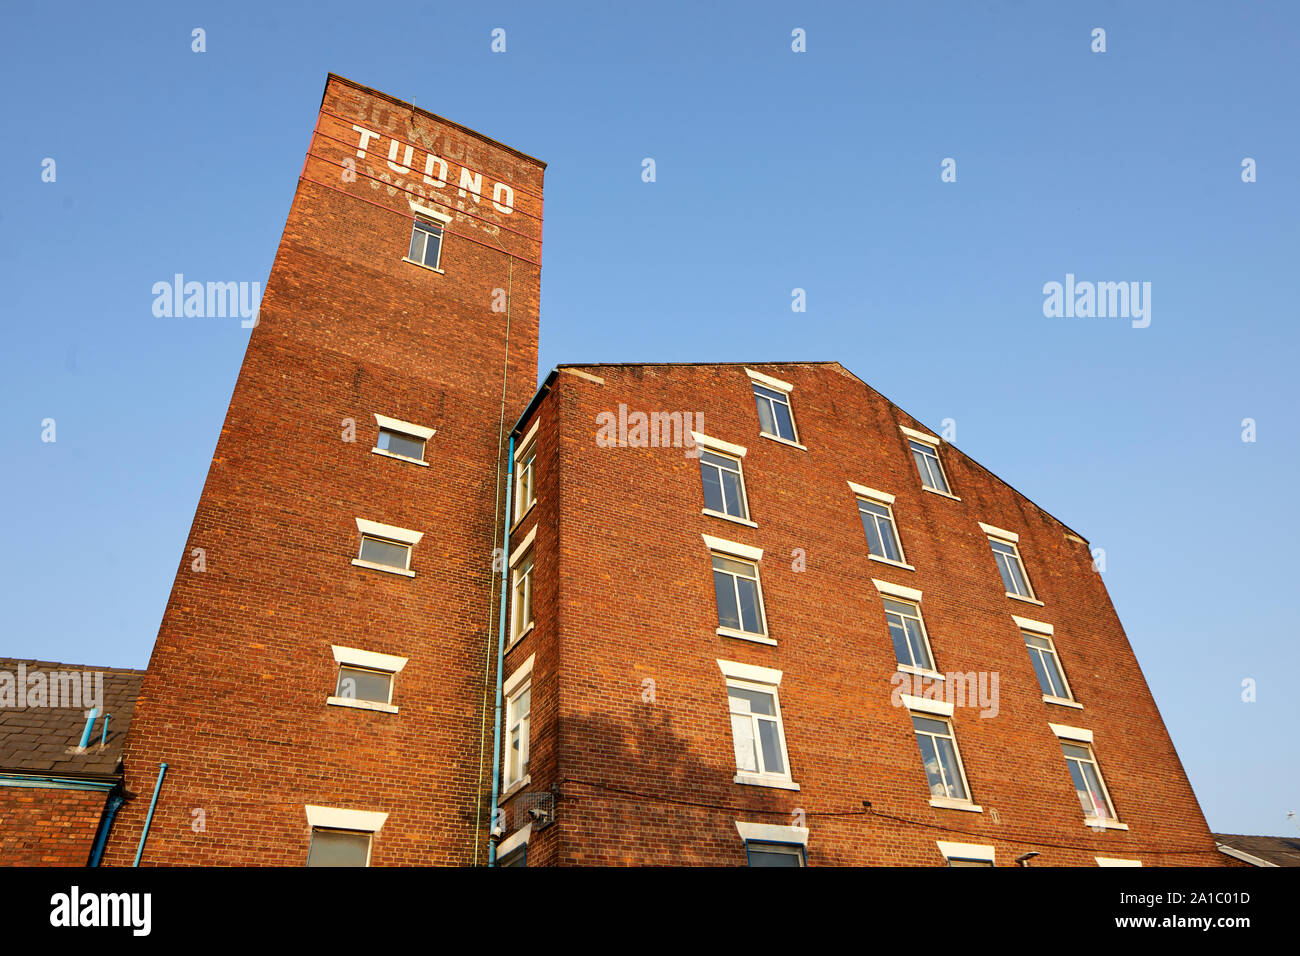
pixel 522 598
pixel 338 848
pixel 517 857
pixel 932 724
pixel 927 464
pixel 758 737
pixel 341 837
pixel 1086 776
pixel 772 396
pixel 966 854
pixel 724 486
pixel 1007 556
pixel 774 854
pixel 518 693
pixel 740 605
pixel 907 631
pixel 386 548
pixel 877 513
pixel 768 844
pixel 1042 653
pixel 513 850
pixel 426 243
pixel 399 439
pixel 524 496
pixel 365 679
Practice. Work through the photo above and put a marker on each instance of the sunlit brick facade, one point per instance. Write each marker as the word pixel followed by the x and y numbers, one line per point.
pixel 703 659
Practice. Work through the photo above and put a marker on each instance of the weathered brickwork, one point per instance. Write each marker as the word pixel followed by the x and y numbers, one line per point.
pixel 235 697
pixel 624 595
pixel 41 826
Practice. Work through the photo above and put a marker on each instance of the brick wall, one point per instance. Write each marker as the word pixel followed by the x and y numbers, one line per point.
pixel 235 697
pixel 48 827
pixel 627 595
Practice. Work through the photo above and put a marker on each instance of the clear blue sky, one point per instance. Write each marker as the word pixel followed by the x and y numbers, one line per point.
pixel 775 170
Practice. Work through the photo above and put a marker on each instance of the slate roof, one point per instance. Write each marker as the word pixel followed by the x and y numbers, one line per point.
pixel 1279 851
pixel 43 739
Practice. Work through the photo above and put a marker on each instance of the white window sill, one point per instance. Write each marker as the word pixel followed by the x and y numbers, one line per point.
pixel 360 704
pixel 785 441
pixel 920 671
pixel 948 803
pixel 389 454
pixel 1027 600
pixel 941 494
pixel 514 788
pixel 745 636
pixel 423 266
pixel 894 564
pixel 726 517
pixel 1062 701
pixel 521 635
pixel 382 567
pixel 764 780
pixel 1097 823
pixel 519 520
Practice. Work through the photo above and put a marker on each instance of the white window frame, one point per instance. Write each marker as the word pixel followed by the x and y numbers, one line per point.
pixel 735 551
pixel 392 535
pixel 440 220
pixel 884 500
pixel 911 596
pixel 776 385
pixel 1081 737
pixel 737 454
pixel 523 553
pixel 769 834
pixel 933 443
pixel 765 680
pixel 941 710
pixel 974 852
pixel 1046 632
pixel 367 660
pixel 1005 537
pixel 520 680
pixel 350 821
pixel 407 430
pixel 526 476
pixel 516 841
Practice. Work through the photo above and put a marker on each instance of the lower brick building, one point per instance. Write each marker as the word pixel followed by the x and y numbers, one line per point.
pixel 761 613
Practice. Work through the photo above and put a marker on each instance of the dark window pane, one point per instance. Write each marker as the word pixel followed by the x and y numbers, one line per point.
pixel 712 488
pixel 358 684
pixel 338 848
pixel 728 613
pixel 400 444
pixel 774 854
pixel 749 605
pixel 387 553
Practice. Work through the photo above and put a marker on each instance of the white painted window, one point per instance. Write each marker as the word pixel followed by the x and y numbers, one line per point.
pixel 1047 665
pixel 925 455
pixel 426 243
pixel 525 495
pixel 365 679
pixel 1089 787
pixel 724 484
pixel 966 854
pixel 385 547
pixel 882 534
pixel 756 729
pixel 740 595
pixel 907 631
pixel 521 597
pixel 1006 553
pixel 940 757
pixel 341 837
pixel 399 439
pixel 518 693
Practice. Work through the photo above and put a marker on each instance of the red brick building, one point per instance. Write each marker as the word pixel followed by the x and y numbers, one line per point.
pixel 720 577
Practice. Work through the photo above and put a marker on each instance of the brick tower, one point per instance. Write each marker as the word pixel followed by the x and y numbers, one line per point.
pixel 317 688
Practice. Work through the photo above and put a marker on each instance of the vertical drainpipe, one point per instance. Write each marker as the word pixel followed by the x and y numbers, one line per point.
pixel 148 821
pixel 115 801
pixel 501 648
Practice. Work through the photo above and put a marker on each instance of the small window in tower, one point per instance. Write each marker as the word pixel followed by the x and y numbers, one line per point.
pixel 404 446
pixel 386 548
pixel 399 439
pixel 426 243
pixel 339 848
pixel 356 683
pixel 366 679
